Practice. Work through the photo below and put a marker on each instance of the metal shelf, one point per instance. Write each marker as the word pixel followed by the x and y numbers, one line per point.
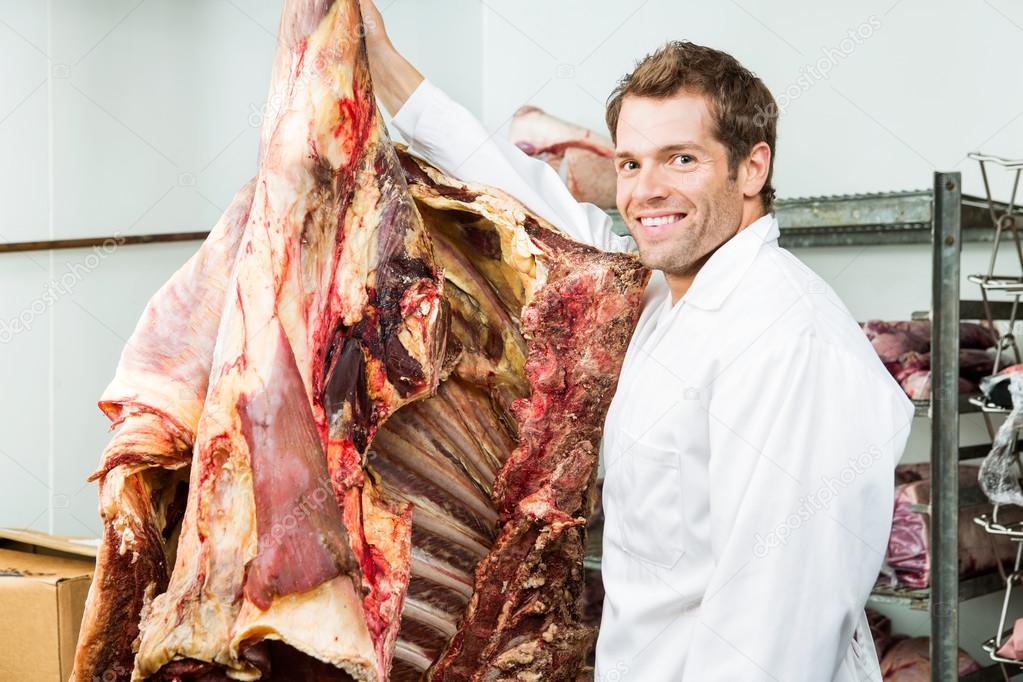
pixel 973 310
pixel 977 451
pixel 879 218
pixel 920 599
pixel 991 525
pixel 1002 283
pixel 966 404
pixel 970 496
pixel 992 673
pixel 982 404
pixel 991 647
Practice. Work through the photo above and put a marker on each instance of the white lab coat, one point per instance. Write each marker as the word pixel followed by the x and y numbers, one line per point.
pixel 749 449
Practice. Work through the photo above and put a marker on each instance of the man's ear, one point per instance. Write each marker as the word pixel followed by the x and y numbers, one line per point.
pixel 757 165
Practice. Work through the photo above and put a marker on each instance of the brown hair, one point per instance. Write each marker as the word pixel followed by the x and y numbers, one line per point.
pixel 742 108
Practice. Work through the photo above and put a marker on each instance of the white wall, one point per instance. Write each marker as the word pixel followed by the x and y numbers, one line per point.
pixel 120 116
pixel 916 95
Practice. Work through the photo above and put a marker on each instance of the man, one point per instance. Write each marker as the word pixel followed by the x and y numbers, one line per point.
pixel 749 449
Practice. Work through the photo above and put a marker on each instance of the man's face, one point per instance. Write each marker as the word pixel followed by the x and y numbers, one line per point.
pixel 673 182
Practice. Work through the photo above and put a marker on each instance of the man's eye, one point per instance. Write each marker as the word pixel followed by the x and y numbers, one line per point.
pixel 682 159
pixel 629 165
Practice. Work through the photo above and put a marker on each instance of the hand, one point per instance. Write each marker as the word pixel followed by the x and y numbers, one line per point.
pixel 373 25
pixel 394 77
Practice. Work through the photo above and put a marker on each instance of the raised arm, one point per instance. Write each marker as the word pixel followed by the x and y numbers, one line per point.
pixel 394 77
pixel 447 135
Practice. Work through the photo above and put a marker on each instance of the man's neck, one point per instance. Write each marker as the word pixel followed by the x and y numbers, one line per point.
pixel 680 282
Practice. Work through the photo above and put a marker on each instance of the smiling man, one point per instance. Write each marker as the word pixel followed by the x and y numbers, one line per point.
pixel 678 169
pixel 750 447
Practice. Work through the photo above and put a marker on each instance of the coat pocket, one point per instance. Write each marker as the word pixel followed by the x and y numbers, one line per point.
pixel 652 513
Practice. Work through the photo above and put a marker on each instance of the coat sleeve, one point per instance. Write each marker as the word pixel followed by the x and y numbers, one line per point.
pixel 447 135
pixel 804 438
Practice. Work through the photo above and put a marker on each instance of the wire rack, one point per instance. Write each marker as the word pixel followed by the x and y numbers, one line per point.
pixel 1008 223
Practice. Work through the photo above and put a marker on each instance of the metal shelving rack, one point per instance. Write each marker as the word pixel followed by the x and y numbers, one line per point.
pixel 1011 286
pixel 947 590
pixel 945 217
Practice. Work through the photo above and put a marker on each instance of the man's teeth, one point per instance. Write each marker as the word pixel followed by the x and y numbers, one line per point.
pixel 661 220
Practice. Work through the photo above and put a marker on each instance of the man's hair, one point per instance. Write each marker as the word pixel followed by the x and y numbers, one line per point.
pixel 741 107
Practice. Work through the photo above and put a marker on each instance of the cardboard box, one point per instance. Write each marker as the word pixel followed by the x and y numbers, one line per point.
pixel 44 580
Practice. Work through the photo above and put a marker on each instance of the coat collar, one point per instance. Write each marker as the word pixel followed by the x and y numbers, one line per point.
pixel 724 269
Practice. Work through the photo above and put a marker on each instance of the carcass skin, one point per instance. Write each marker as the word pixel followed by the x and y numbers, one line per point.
pixel 333 321
pixel 582 157
pixel 156 398
pixel 384 408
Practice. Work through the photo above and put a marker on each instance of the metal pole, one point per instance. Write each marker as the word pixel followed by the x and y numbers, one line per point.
pixel 947 232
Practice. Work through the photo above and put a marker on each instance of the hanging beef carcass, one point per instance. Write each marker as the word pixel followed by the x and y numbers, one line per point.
pixel 358 430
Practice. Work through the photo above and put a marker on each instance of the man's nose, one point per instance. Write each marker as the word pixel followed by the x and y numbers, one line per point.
pixel 651 185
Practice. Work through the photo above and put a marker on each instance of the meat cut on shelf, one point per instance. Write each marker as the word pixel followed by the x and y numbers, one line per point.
pixel 909 660
pixel 904 347
pixel 358 430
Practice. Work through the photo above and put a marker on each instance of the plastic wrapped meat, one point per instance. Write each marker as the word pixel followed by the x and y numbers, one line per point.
pixel 996 388
pixel 1000 471
pixel 913 371
pixel 901 336
pixel 908 556
pixel 915 375
pixel 892 340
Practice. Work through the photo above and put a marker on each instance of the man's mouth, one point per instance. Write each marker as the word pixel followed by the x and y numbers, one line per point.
pixel 653 221
pixel 660 219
